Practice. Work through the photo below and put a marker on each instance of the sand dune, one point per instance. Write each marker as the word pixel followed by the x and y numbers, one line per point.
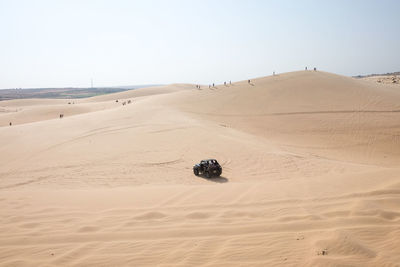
pixel 32 110
pixel 310 176
pixel 392 80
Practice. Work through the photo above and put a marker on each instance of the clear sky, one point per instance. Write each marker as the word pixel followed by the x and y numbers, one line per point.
pixel 59 43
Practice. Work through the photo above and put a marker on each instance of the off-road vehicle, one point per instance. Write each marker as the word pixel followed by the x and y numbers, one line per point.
pixel 208 167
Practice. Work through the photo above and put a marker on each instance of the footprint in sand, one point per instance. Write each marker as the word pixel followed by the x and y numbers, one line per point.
pixel 150 216
pixel 86 229
pixel 198 215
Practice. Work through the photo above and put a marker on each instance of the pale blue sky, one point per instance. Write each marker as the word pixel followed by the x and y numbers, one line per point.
pixel 58 43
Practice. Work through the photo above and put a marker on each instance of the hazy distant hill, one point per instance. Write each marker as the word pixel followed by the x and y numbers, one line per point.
pixel 68 92
pixel 374 74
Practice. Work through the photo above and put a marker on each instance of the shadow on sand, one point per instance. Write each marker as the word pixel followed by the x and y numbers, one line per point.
pixel 219 180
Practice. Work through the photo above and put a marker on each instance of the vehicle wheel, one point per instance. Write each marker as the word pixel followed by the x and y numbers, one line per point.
pixel 196 172
pixel 207 174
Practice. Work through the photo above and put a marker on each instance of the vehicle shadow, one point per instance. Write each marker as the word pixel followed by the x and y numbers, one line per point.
pixel 220 179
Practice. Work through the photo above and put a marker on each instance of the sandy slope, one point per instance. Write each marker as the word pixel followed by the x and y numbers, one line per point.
pixel 393 80
pixel 31 110
pixel 310 176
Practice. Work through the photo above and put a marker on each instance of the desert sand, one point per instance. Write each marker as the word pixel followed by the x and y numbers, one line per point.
pixel 311 176
pixel 393 80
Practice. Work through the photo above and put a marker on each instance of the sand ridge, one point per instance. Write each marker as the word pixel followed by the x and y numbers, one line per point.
pixel 310 176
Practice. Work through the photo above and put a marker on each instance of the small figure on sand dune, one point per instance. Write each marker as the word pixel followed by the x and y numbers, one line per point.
pixel 124 103
pixel 315 68
pixel 129 101
pixel 225 83
pixel 61 116
pixel 10 123
pixel 273 73
pixel 248 81
pixel 306 68
pixel 213 85
pixel 116 101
